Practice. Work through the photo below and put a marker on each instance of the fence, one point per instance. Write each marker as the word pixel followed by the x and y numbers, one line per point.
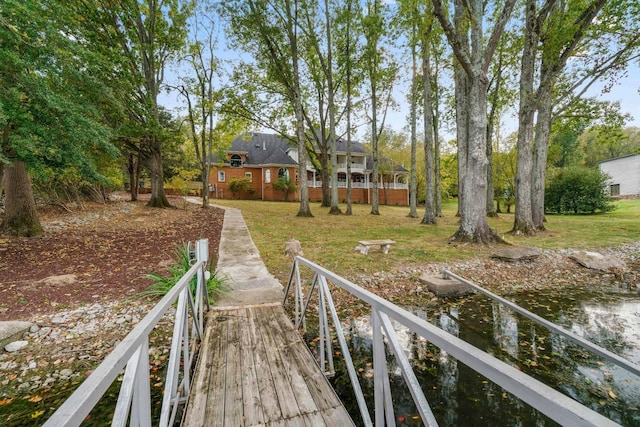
pixel 134 401
pixel 545 399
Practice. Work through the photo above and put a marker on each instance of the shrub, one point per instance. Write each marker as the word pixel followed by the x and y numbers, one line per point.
pixel 240 185
pixel 285 184
pixel 577 190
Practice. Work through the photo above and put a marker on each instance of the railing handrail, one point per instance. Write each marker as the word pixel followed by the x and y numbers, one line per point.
pixel 74 410
pixel 596 349
pixel 545 399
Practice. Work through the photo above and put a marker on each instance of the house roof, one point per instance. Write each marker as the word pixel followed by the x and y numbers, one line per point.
pixel 263 149
pixel 618 158
pixel 356 147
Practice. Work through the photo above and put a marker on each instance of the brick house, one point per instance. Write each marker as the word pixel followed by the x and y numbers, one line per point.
pixel 263 158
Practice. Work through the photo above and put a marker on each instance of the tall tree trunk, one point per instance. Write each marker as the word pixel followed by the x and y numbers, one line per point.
pixel 133 167
pixel 540 149
pixel 349 210
pixel 335 208
pixel 20 214
pixel 491 210
pixel 472 61
pixel 304 209
pixel 523 221
pixel 156 175
pixel 473 220
pixel 429 206
pixel 413 178
pixel 436 142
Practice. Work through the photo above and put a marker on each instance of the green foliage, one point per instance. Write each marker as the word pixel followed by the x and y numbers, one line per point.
pixel 163 284
pixel 285 184
pixel 52 100
pixel 240 185
pixel 577 190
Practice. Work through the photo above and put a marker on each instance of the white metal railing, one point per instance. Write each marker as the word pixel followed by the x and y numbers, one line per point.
pixel 545 399
pixel 134 401
pixel 596 349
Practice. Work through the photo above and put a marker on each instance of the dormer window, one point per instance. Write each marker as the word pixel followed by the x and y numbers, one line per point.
pixel 235 161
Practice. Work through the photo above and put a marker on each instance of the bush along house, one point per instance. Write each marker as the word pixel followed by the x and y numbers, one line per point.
pixel 263 166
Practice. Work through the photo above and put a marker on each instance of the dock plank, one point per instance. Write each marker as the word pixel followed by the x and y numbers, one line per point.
pixel 201 381
pixel 252 405
pixel 266 387
pixel 214 409
pixel 258 372
pixel 233 405
pixel 286 395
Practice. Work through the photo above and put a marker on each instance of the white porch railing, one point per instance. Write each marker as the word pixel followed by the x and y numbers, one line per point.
pixel 134 401
pixel 342 184
pixel 545 399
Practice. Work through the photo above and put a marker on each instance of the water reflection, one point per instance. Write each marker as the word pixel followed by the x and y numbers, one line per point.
pixel 459 396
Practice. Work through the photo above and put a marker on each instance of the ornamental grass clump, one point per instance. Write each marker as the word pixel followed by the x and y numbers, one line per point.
pixel 184 260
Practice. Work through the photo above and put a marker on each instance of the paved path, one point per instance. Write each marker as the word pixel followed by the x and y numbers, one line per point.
pixel 239 263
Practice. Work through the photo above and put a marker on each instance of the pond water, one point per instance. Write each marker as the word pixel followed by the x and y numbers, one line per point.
pixel 460 397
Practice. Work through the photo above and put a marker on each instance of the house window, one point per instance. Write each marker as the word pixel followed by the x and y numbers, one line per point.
pixel 249 175
pixel 283 173
pixel 267 176
pixel 236 161
pixel 614 190
pixel 220 176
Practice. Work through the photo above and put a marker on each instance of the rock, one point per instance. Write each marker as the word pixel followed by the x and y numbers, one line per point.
pixel 58 320
pixel 12 331
pixel 597 261
pixel 66 372
pixel 514 254
pixel 62 280
pixel 445 287
pixel 292 248
pixel 15 346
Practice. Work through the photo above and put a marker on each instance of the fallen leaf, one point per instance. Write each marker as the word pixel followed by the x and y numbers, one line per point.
pixel 612 395
pixel 6 401
pixel 37 414
pixel 35 399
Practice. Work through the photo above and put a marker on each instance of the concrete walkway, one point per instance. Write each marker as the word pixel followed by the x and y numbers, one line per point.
pixel 239 264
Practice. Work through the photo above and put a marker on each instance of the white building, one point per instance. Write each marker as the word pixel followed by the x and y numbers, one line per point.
pixel 625 175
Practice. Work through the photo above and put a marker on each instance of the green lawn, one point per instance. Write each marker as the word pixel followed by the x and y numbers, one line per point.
pixel 329 240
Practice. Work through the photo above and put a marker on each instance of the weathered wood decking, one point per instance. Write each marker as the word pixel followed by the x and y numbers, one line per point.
pixel 255 370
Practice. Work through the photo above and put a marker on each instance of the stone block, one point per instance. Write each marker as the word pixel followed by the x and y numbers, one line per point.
pixel 442 287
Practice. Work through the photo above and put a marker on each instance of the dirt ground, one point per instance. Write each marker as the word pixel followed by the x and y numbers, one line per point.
pixel 96 253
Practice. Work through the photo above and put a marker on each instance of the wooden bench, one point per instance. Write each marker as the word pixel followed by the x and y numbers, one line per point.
pixel 365 245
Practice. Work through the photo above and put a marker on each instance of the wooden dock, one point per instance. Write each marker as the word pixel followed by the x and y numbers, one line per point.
pixel 255 370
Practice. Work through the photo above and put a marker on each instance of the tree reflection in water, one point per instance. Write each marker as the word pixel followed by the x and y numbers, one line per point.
pixel 460 397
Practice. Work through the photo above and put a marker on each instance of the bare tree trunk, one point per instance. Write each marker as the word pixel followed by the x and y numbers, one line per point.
pixel 472 61
pixel 523 222
pixel 491 210
pixel 429 207
pixel 20 214
pixel 540 149
pixel 436 142
pixel 156 174
pixel 413 179
pixel 349 210
pixel 133 167
pixel 304 209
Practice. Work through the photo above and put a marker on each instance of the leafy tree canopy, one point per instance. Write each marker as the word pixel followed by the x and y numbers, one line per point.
pixel 51 100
